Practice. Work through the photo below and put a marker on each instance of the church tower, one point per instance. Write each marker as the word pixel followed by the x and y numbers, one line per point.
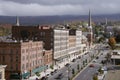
pixel 89 20
pixel 17 21
pixel 90 30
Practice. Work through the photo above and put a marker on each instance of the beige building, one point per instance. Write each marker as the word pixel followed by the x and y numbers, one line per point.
pixel 2 72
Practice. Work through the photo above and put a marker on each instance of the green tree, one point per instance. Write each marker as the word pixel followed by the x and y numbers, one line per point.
pixel 73 71
pixel 100 70
pixel 101 39
pixel 37 73
pixel 78 67
pixel 95 77
pixel 51 66
pixel 112 42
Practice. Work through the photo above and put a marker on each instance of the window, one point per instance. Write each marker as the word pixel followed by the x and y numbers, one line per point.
pixel 11 67
pixel 16 66
pixel 3 51
pixel 23 58
pixel 3 58
pixel 23 67
pixel 16 59
pixel 11 58
pixel 26 50
pixel 11 51
pixel 23 50
pixel 0 75
pixel 16 51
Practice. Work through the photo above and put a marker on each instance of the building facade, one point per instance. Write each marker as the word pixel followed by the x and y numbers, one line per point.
pixel 35 33
pixel 61 45
pixel 21 58
pixel 65 44
pixel 72 44
pixel 79 42
pixel 2 72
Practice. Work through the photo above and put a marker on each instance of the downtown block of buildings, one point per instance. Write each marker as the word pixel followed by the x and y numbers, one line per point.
pixel 32 49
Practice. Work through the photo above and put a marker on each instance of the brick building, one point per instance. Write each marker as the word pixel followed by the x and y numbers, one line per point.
pixel 36 33
pixel 23 58
pixel 47 34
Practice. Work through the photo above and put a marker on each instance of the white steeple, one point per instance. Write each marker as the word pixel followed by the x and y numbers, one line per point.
pixel 89 21
pixel 17 21
pixel 106 21
pixel 90 29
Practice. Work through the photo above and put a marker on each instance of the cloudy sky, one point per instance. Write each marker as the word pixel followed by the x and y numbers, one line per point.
pixel 58 7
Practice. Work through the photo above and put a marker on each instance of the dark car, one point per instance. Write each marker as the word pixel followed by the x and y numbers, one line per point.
pixel 60 76
pixel 52 73
pixel 55 70
pixel 97 57
pixel 73 60
pixel 67 64
pixel 79 57
pixel 107 47
pixel 44 78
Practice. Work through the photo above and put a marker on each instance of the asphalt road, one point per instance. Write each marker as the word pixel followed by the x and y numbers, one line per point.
pixel 73 65
pixel 88 72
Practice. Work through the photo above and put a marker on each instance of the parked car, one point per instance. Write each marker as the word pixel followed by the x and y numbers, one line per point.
pixel 79 57
pixel 73 60
pixel 94 60
pixel 55 71
pixel 44 78
pixel 97 57
pixel 67 64
pixel 52 73
pixel 91 65
pixel 60 76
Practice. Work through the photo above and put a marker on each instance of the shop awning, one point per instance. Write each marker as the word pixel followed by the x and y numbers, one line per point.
pixel 39 69
pixel 24 75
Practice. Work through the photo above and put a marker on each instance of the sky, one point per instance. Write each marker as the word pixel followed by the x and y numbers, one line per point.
pixel 58 7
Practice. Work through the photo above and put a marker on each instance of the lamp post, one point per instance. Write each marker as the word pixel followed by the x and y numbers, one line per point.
pixel 44 61
pixel 68 67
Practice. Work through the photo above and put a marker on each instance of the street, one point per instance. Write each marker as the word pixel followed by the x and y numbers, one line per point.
pixel 88 72
pixel 82 62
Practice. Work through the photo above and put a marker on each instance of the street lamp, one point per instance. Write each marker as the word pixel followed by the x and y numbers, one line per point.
pixel 68 67
pixel 44 61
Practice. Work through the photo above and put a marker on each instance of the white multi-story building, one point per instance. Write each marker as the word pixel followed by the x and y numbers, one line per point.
pixel 60 47
pixel 78 42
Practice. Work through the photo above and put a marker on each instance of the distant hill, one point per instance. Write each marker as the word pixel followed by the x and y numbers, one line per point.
pixel 35 20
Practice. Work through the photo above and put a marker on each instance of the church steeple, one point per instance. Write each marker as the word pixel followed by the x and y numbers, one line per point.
pixel 106 21
pixel 17 21
pixel 89 21
pixel 90 33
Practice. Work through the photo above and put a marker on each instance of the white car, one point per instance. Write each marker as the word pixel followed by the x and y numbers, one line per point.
pixel 94 61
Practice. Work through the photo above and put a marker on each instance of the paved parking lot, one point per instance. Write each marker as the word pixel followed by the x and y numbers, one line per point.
pixel 113 75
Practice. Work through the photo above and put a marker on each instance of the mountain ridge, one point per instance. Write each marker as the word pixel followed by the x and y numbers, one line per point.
pixel 35 20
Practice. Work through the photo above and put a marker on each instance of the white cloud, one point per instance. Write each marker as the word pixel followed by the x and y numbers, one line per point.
pixel 57 7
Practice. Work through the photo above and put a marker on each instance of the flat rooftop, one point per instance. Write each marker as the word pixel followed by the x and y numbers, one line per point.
pixel 115 57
